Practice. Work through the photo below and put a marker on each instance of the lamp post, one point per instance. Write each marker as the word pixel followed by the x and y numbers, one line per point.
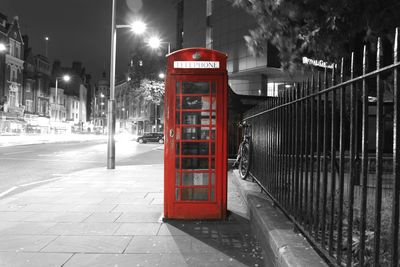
pixel 138 27
pixel 65 78
pixel 46 39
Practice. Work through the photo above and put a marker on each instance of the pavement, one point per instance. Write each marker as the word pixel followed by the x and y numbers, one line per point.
pixel 100 217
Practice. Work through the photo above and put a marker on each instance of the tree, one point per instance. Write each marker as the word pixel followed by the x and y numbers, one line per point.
pixel 153 90
pixel 324 30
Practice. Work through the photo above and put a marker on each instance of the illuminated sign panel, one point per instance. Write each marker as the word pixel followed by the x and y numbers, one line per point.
pixel 318 63
pixel 196 64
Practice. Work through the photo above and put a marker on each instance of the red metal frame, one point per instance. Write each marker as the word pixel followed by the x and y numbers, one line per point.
pixel 215 207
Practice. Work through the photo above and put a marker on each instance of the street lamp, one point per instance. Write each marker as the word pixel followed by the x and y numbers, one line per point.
pixel 65 78
pixel 46 39
pixel 3 47
pixel 155 43
pixel 137 27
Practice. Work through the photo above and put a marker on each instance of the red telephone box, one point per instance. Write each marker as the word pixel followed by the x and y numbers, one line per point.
pixel 195 155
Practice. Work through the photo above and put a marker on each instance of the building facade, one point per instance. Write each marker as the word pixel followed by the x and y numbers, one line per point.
pixel 135 113
pixel 216 24
pixel 12 106
pixel 99 105
pixel 75 90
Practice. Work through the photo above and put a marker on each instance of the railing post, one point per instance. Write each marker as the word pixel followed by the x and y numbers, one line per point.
pixel 396 157
pixel 364 144
pixel 353 141
pixel 379 151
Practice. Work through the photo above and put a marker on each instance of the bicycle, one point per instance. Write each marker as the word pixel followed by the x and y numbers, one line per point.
pixel 243 159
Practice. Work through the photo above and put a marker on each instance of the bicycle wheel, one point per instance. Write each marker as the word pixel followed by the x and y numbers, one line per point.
pixel 244 164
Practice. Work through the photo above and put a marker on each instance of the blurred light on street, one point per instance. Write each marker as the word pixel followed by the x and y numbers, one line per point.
pixel 161 75
pixel 2 47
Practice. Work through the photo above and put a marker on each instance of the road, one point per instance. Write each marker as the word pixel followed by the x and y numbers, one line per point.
pixel 22 167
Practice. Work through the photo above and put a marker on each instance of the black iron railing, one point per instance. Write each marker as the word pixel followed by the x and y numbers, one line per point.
pixel 328 152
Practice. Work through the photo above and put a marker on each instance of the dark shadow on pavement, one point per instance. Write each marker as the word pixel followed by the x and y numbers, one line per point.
pixel 216 243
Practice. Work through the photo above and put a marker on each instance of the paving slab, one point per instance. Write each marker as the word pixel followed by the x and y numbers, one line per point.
pixel 22 243
pixel 103 217
pixel 149 216
pixel 23 228
pixel 83 229
pixel 137 229
pixel 58 217
pixel 120 260
pixel 88 244
pixel 159 244
pixel 24 259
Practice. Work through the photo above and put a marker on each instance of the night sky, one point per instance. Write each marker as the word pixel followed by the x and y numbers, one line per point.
pixel 81 29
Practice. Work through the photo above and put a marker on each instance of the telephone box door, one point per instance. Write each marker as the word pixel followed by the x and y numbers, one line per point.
pixel 195 149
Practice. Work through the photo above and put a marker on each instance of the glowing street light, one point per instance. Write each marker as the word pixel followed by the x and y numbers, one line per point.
pixel 161 75
pixel 3 47
pixel 138 27
pixel 155 43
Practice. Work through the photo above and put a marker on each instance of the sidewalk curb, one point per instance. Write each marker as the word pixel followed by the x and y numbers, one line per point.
pixel 274 230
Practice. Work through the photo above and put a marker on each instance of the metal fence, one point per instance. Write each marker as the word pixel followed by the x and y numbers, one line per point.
pixel 327 151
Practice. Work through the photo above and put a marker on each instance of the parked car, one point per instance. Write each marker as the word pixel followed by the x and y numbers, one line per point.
pixel 151 137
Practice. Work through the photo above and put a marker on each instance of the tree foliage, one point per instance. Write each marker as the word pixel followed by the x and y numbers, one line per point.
pixel 144 83
pixel 153 90
pixel 324 30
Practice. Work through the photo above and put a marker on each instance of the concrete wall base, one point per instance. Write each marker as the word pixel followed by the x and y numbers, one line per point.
pixel 274 230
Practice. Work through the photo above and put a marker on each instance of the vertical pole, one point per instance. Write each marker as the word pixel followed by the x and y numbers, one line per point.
pixel 311 151
pixel 364 163
pixel 111 102
pixel 333 165
pixel 318 169
pixel 325 166
pixel 396 157
pixel 341 169
pixel 155 117
pixel 353 151
pixel 56 101
pixel 378 156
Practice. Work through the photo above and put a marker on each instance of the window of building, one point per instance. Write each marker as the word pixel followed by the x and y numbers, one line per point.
pixel 28 87
pixel 12 47
pixel 13 98
pixel 273 88
pixel 28 105
pixel 39 86
pixel 13 74
pixel 17 50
